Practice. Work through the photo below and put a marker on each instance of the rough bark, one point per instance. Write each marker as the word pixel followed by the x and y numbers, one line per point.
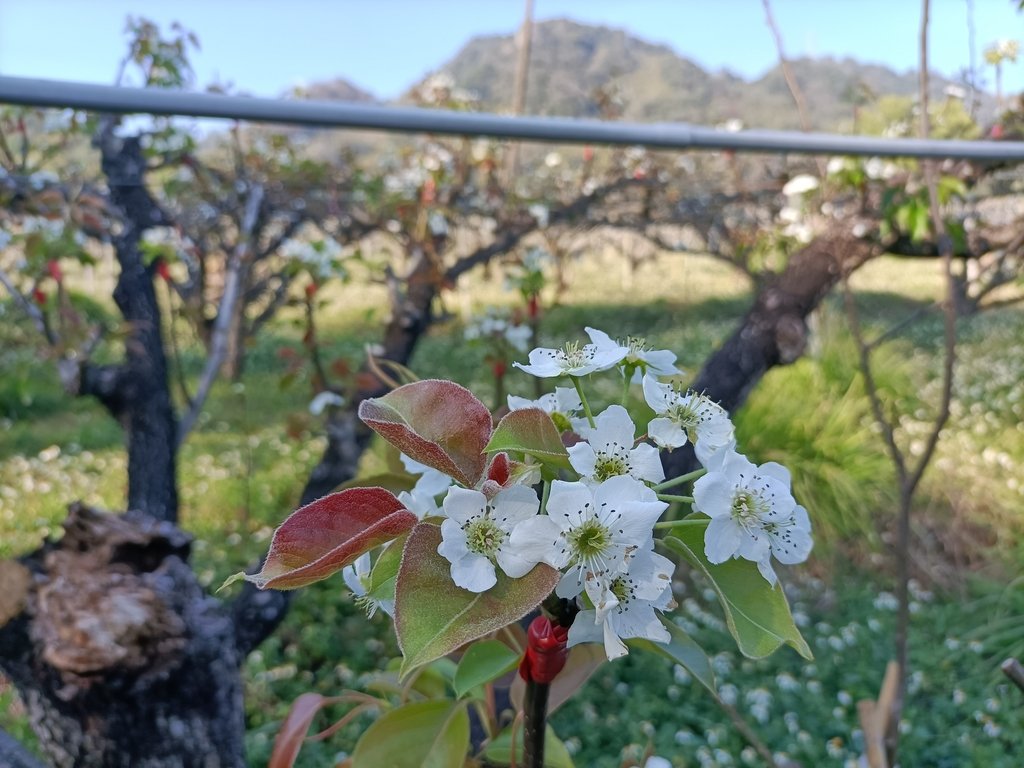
pixel 118 655
pixel 774 330
pixel 143 393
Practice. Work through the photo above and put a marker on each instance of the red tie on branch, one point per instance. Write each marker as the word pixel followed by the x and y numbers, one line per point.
pixel 546 651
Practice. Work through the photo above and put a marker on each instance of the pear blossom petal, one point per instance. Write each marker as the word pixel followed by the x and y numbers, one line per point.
pixel 477 534
pixel 753 513
pixel 474 572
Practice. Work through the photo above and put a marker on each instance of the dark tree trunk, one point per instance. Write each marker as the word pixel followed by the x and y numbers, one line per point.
pixel 774 330
pixel 347 436
pixel 118 655
pixel 143 403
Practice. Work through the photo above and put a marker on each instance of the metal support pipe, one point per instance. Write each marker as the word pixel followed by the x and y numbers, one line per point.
pixel 339 114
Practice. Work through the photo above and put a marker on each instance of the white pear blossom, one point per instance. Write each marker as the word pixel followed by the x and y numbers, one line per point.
pixel 575 360
pixel 319 403
pixel 476 534
pixel 686 417
pixel 608 450
pixel 518 336
pixel 431 481
pixel 493 324
pixel 639 358
pixel 753 513
pixel 420 502
pixel 645 588
pixel 790 540
pixel 594 530
pixel 564 400
pixel 357 577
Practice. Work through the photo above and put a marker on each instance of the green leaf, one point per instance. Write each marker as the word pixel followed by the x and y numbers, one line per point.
pixel 437 423
pixel 483 662
pixel 756 613
pixel 530 431
pixel 499 749
pixel 433 617
pixel 321 538
pixel 433 734
pixel 385 571
pixel 682 650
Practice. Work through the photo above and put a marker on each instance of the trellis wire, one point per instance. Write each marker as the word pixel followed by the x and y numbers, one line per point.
pixel 347 115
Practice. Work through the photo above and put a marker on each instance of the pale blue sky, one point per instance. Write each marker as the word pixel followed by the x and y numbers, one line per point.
pixel 266 46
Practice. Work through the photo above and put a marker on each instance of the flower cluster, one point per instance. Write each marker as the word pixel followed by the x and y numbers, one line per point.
pixel 595 522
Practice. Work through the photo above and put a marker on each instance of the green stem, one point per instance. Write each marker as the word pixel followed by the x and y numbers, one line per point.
pixel 680 523
pixel 680 499
pixel 673 482
pixel 583 399
pixel 627 375
pixel 544 497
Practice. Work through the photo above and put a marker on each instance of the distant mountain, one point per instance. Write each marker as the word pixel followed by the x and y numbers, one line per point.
pixel 338 89
pixel 569 62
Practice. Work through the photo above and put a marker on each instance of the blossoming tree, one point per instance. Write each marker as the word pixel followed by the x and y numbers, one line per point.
pixel 556 507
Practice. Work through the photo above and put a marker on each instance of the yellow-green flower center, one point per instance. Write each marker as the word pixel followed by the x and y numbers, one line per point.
pixel 575 355
pixel 747 507
pixel 484 537
pixel 589 540
pixel 609 466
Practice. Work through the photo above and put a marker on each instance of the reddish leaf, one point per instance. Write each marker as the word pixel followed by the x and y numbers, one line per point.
pixel 433 617
pixel 437 423
pixel 323 537
pixel 293 732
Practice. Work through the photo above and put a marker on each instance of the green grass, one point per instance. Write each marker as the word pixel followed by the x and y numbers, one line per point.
pixel 243 468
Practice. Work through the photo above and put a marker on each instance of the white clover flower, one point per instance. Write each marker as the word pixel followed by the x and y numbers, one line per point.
pixel 476 534
pixel 431 482
pixel 609 451
pixel 753 514
pixel 639 359
pixel 319 403
pixel 357 577
pixel 686 416
pixel 573 359
pixel 645 588
pixel 800 184
pixel 594 530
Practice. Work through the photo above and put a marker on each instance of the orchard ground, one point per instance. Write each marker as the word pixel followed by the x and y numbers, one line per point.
pixel 242 470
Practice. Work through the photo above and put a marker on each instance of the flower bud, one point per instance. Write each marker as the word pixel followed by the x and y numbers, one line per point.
pixel 546 651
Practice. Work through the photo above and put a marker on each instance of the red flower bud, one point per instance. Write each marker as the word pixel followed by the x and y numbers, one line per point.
pixel 54 269
pixel 429 192
pixel 163 270
pixel 546 651
pixel 311 290
pixel 499 368
pixel 40 296
pixel 533 307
